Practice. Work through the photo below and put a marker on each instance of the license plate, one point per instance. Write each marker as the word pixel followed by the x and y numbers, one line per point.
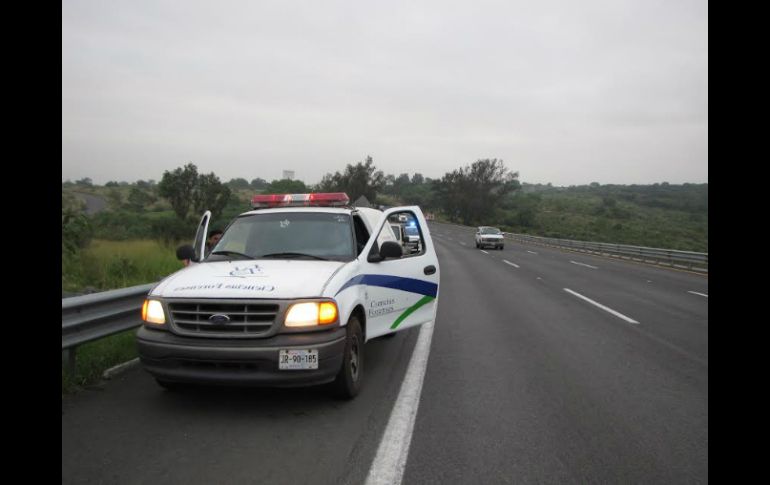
pixel 297 359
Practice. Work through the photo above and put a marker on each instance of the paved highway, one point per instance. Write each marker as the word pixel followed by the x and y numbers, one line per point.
pixel 544 366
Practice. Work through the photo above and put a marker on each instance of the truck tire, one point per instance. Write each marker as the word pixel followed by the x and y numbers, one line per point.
pixel 350 377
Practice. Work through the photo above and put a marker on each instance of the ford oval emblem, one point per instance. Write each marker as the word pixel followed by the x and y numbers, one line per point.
pixel 219 319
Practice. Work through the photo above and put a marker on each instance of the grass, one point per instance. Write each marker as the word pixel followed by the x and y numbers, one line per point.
pixel 93 358
pixel 107 265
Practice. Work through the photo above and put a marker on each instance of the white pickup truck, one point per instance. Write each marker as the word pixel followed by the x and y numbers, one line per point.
pixel 289 296
pixel 490 236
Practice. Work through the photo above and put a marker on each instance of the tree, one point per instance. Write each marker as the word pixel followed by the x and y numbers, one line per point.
pixel 185 189
pixel 468 194
pixel 417 179
pixel 76 231
pixel 72 203
pixel 286 186
pixel 332 183
pixel 138 199
pixel 357 180
pixel 115 199
pixel 210 194
pixel 178 187
pixel 258 183
pixel 238 183
pixel 85 182
pixel 402 180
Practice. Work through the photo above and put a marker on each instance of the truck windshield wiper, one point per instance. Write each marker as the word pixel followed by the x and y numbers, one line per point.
pixel 293 255
pixel 236 253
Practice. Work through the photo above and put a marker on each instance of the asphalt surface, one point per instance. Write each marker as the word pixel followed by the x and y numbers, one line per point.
pixel 525 382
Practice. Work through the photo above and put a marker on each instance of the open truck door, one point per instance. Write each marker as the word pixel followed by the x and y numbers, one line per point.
pixel 401 287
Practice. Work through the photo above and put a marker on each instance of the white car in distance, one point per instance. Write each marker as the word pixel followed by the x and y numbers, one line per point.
pixel 489 236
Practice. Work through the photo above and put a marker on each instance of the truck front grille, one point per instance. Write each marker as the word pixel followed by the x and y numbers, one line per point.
pixel 244 318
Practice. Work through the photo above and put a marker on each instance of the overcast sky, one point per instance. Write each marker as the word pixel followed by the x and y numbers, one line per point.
pixel 564 91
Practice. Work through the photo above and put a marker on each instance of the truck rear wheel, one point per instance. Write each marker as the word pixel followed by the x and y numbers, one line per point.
pixel 349 379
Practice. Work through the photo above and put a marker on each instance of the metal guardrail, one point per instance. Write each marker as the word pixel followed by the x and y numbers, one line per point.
pixel 666 257
pixel 91 317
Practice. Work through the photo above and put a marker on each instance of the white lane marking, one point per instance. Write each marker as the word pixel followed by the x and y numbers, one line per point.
pixel 696 293
pixel 606 309
pixel 484 252
pixel 463 244
pixel 389 463
pixel 532 252
pixel 512 264
pixel 583 264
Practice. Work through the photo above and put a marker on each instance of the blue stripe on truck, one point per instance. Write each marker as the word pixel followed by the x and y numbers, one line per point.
pixel 396 282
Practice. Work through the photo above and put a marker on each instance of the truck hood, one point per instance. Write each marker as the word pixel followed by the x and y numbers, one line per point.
pixel 249 279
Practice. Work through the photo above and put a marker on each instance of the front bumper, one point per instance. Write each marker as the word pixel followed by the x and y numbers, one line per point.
pixel 492 242
pixel 242 362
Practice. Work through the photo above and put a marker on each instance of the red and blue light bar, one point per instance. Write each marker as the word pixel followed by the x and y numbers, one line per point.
pixel 323 199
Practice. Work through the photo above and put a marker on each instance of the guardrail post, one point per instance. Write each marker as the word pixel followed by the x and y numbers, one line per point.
pixel 68 360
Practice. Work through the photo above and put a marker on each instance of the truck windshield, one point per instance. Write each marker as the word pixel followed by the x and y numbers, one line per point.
pixel 289 235
pixel 490 230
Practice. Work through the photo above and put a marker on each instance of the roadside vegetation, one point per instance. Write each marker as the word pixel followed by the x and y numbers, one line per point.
pixel 484 192
pixel 105 265
pixel 660 215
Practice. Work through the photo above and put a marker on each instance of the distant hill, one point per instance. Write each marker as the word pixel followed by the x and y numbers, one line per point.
pixel 659 215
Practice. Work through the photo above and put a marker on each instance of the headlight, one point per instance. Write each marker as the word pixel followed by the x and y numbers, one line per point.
pixel 152 312
pixel 310 314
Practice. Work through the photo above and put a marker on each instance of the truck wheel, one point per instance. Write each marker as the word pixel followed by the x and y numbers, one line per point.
pixel 349 379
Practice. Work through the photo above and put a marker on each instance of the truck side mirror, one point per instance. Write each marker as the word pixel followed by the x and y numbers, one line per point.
pixel 389 250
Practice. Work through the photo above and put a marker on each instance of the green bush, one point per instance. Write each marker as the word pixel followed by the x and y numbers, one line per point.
pixel 76 231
